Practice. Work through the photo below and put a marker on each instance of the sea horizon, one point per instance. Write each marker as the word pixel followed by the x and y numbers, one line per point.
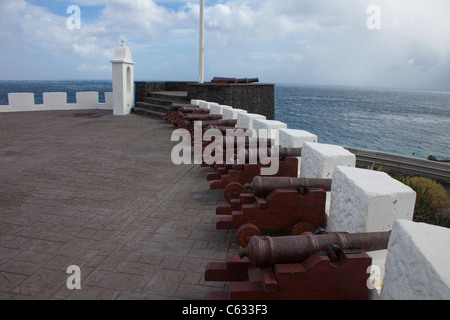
pixel 408 122
pixel 270 82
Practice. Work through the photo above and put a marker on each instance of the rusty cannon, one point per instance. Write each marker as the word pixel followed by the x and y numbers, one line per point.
pixel 293 211
pixel 250 163
pixel 267 251
pixel 307 267
pixel 234 80
pixel 184 112
pixel 175 110
pixel 230 147
pixel 219 125
pixel 188 120
pixel 237 194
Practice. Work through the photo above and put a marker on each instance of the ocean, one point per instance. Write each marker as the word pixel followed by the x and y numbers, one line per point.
pixel 404 122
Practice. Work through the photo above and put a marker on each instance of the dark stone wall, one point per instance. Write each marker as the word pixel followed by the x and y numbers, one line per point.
pixel 144 88
pixel 255 98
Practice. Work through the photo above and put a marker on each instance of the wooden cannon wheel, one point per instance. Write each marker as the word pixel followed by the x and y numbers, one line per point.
pixel 245 233
pixel 233 190
pixel 302 227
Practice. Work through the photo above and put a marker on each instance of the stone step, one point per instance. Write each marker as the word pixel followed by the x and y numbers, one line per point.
pixel 153 107
pixel 147 113
pixel 157 101
pixel 173 96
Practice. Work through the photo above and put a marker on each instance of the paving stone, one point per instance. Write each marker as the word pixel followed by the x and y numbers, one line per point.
pixel 103 195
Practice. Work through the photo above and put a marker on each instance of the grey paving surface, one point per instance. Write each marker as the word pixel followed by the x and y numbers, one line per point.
pixel 89 189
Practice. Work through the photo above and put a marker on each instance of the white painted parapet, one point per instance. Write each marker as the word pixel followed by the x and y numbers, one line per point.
pixel 123 80
pixel 54 101
pixel 368 201
pixel 196 102
pixel 232 114
pixel 217 109
pixel 319 160
pixel 268 128
pixel 245 120
pixel 417 264
pixel 21 101
pixel 109 104
pixel 204 104
pixel 291 138
pixel 86 100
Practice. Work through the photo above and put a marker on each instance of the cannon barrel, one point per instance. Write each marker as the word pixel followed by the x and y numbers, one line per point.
pixel 250 141
pixel 219 123
pixel 267 251
pixel 201 117
pixel 178 106
pixel 193 109
pixel 233 80
pixel 283 153
pixel 263 186
pixel 245 141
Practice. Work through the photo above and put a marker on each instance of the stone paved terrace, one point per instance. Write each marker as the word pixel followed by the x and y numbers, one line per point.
pixel 90 189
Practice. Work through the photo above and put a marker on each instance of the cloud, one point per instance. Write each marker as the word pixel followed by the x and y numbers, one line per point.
pixel 302 40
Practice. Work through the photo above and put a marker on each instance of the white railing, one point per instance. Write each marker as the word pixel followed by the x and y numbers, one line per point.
pixel 23 102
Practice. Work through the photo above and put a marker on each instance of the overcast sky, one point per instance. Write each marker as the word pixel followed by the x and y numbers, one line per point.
pixel 292 41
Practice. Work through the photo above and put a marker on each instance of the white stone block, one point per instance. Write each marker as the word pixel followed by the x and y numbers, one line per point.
pixel 268 128
pixel 319 160
pixel 204 105
pixel 87 100
pixel 55 100
pixel 232 114
pixel 196 102
pixel 218 108
pixel 208 105
pixel 291 138
pixel 417 264
pixel 367 201
pixel 109 104
pixel 245 120
pixel 21 101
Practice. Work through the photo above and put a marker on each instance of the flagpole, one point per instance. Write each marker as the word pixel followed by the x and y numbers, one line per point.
pixel 201 43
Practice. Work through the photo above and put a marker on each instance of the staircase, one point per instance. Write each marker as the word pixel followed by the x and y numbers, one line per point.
pixel 158 103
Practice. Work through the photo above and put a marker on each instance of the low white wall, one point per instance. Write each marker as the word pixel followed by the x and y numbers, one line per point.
pixel 417 264
pixel 368 201
pixel 23 102
pixel 320 160
pixel 268 129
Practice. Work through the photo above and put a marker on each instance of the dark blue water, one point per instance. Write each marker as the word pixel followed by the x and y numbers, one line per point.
pixel 404 122
pixel 69 86
pixel 410 123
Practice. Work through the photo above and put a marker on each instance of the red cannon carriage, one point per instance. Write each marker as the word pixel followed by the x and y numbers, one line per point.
pixel 308 267
pixel 244 173
pixel 290 210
